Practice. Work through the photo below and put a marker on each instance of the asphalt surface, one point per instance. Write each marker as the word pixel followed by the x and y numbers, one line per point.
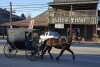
pixel 87 55
pixel 97 45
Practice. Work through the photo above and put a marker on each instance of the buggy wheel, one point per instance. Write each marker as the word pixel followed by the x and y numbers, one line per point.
pixel 9 50
pixel 32 53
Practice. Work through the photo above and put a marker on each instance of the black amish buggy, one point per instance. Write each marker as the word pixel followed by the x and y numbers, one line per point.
pixel 22 39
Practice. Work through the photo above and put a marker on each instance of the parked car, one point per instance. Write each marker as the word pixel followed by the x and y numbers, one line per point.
pixel 47 35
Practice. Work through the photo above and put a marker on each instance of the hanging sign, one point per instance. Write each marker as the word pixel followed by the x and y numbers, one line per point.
pixel 60 26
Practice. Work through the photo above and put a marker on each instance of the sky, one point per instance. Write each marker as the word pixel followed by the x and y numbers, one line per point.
pixel 28 7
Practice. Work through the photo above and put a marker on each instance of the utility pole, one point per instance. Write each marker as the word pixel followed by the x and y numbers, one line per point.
pixel 10 15
pixel 49 18
pixel 96 21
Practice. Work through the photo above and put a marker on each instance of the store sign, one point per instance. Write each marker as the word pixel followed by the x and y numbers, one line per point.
pixel 60 26
pixel 74 20
pixel 78 20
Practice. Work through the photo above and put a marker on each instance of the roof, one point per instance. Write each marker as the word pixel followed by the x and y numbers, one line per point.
pixel 40 20
pixel 3 20
pixel 45 14
pixel 5 11
pixel 77 4
pixel 8 13
pixel 37 22
pixel 57 2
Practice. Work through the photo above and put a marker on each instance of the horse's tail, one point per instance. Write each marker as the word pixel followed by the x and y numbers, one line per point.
pixel 43 45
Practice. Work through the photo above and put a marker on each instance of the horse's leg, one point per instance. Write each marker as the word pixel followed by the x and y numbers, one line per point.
pixel 57 58
pixel 44 51
pixel 72 53
pixel 50 53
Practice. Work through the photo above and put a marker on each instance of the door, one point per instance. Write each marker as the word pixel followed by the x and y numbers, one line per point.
pixel 89 32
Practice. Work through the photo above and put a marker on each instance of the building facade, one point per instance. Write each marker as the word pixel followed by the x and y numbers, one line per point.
pixel 74 17
pixel 5 18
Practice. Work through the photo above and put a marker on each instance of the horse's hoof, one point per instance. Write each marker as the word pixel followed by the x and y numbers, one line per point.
pixel 51 58
pixel 41 57
pixel 57 58
pixel 73 58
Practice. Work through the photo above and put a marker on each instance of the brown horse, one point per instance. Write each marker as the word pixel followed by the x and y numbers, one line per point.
pixel 62 44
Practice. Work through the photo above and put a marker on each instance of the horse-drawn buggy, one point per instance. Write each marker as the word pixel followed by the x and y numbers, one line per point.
pixel 28 40
pixel 22 39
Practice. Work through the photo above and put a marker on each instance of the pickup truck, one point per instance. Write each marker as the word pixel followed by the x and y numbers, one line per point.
pixel 50 34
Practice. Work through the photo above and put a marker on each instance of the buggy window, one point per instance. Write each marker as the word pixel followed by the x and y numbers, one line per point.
pixel 35 34
pixel 54 33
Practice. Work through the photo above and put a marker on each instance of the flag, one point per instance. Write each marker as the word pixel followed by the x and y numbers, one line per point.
pixel 98 29
pixel 31 24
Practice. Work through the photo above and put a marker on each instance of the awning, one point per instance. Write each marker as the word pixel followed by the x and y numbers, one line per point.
pixel 75 5
pixel 25 23
pixel 69 3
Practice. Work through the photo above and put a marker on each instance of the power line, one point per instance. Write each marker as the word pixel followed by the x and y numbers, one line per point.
pixel 29 7
pixel 26 5
pixel 4 6
pixel 44 7
pixel 38 7
pixel 29 10
pixel 30 4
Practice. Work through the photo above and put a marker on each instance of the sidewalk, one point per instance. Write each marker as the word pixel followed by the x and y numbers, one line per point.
pixel 86 44
pixel 3 41
pixel 81 44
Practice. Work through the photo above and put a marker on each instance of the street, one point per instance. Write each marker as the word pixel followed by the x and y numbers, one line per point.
pixel 85 57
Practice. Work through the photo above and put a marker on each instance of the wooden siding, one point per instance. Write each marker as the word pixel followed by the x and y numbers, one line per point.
pixel 60 12
pixel 78 17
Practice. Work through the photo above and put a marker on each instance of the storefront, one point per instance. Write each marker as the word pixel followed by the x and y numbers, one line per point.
pixel 74 16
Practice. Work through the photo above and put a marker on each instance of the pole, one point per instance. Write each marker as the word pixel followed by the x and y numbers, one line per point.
pixel 10 15
pixel 70 20
pixel 48 18
pixel 96 21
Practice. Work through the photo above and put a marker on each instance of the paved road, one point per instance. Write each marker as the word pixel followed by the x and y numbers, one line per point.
pixel 85 57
